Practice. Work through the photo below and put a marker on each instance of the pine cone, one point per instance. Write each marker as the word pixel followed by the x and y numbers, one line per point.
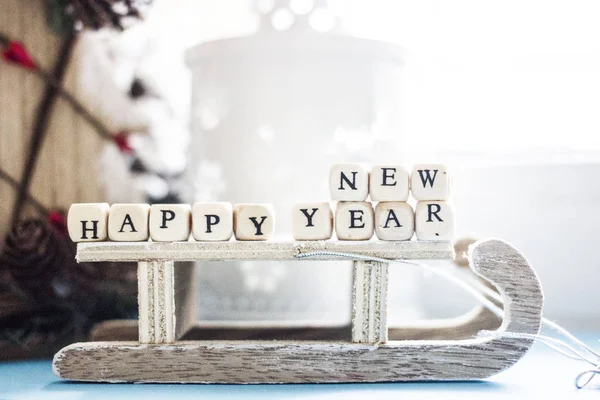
pixel 34 254
pixel 97 14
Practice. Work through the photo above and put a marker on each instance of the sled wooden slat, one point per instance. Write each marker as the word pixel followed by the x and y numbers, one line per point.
pixel 368 357
pixel 264 251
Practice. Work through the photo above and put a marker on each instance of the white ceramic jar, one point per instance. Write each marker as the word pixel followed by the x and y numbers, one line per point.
pixel 270 113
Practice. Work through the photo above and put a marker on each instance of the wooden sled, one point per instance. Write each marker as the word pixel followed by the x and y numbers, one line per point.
pixel 368 355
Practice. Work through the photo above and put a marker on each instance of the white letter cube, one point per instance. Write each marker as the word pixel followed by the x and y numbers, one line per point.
pixel 349 182
pixel 389 183
pixel 253 221
pixel 434 220
pixel 430 182
pixel 354 220
pixel 212 221
pixel 394 220
pixel 170 222
pixel 128 222
pixel 312 221
pixel 87 222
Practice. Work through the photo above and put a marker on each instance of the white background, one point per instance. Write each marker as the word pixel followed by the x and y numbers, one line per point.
pixel 509 92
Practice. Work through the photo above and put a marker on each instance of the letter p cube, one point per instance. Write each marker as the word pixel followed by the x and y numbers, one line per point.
pixel 170 222
pixel 212 221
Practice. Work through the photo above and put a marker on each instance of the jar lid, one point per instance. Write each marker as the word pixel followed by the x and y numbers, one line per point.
pixel 289 44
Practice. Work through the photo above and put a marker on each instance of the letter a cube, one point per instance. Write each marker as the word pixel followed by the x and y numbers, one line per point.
pixel 128 222
pixel 394 220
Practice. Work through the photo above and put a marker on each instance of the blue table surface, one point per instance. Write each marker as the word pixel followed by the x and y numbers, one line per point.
pixel 540 374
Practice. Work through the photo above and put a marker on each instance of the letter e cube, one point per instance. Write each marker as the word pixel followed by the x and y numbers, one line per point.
pixel 389 183
pixel 354 220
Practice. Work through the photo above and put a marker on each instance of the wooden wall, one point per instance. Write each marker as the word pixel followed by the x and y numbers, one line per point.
pixel 67 168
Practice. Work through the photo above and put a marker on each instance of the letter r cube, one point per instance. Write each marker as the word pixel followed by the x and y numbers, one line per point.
pixel 434 220
pixel 87 222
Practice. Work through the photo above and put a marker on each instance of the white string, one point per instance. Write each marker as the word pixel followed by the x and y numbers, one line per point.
pixel 483 294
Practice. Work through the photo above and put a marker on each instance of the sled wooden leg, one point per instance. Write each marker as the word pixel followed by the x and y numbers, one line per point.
pixel 369 302
pixel 156 302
